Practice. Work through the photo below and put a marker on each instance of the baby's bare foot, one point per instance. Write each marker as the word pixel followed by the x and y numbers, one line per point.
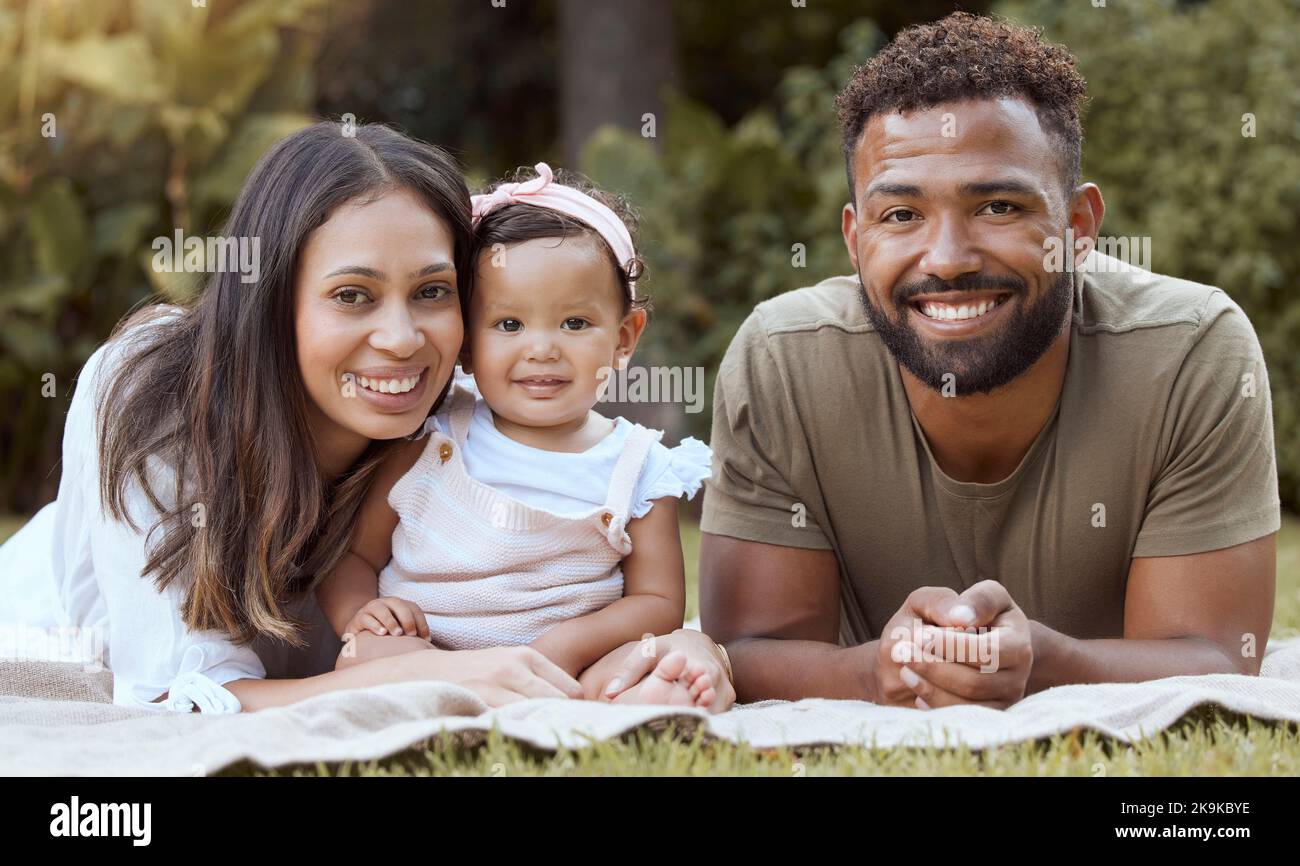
pixel 675 681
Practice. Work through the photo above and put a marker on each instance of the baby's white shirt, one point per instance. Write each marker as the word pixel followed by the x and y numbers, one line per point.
pixel 570 484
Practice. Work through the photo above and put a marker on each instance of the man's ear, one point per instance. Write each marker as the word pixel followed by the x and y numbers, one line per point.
pixel 849 228
pixel 629 333
pixel 1087 209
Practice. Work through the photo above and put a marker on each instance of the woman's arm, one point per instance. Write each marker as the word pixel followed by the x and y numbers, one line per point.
pixel 355 580
pixel 653 602
pixel 498 676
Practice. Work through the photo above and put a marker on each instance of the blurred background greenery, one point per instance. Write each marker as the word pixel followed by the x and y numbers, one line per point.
pixel 159 109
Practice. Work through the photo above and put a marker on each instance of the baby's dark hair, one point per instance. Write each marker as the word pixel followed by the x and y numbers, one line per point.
pixel 517 222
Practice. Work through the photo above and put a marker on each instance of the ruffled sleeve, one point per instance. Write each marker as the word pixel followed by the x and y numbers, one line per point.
pixel 672 472
pixel 205 667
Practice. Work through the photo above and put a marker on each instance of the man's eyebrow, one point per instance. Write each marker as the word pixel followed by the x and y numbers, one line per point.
pixel 371 273
pixel 994 187
pixel 898 190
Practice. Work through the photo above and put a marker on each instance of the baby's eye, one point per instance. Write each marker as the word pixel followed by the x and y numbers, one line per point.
pixel 510 326
pixel 575 323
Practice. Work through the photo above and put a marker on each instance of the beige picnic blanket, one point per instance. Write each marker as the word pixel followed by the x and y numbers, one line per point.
pixel 57 719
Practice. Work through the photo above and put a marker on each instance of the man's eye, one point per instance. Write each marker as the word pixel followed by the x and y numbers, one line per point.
pixel 573 323
pixel 1007 207
pixel 905 216
pixel 510 326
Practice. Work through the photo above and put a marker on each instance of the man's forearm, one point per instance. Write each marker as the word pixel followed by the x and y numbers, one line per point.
pixel 768 668
pixel 1062 660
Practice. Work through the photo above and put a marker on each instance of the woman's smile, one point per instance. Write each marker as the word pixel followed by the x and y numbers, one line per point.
pixel 391 390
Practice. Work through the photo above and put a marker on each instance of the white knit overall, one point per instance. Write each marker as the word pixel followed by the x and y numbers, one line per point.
pixel 489 570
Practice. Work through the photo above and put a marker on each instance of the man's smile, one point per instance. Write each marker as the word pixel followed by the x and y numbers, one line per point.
pixel 957 313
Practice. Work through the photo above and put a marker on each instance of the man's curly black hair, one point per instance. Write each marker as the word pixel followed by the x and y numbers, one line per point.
pixel 962 57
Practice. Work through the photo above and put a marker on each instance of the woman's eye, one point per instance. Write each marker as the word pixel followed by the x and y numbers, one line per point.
pixel 434 291
pixel 510 326
pixel 900 213
pixel 349 297
pixel 573 323
pixel 1009 207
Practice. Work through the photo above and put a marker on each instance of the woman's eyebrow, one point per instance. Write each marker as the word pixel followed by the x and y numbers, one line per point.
pixel 374 274
pixel 427 270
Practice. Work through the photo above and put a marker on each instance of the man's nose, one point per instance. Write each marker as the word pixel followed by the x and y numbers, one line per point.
pixel 950 251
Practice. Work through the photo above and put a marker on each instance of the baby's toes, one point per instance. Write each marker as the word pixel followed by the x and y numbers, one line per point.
pixel 700 683
pixel 671 666
pixel 705 698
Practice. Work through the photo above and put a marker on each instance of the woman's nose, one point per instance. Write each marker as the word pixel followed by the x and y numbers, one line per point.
pixel 397 333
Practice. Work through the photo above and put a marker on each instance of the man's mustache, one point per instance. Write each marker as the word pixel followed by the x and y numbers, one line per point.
pixel 964 283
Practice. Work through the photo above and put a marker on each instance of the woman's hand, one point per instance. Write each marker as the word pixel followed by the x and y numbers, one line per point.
pixel 499 676
pixel 626 666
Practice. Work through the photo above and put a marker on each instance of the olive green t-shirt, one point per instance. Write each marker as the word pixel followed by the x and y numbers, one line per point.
pixel 1161 444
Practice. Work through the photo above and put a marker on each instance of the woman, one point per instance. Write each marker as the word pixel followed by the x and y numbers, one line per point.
pixel 214 457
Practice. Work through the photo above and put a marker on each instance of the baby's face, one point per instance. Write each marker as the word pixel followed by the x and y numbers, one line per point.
pixel 545 327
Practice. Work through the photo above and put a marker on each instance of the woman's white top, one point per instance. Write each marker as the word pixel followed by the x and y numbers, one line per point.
pixel 71 587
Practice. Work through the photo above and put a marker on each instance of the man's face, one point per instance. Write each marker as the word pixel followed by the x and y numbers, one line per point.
pixel 952 207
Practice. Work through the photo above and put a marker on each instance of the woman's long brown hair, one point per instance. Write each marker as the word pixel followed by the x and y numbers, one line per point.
pixel 215 392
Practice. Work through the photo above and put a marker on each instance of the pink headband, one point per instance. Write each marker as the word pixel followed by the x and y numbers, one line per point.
pixel 542 192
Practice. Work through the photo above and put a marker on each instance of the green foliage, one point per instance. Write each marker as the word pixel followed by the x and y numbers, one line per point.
pixel 731 216
pixel 123 120
pixel 1169 85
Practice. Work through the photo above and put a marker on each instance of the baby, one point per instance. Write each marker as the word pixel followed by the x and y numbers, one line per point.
pixel 527 517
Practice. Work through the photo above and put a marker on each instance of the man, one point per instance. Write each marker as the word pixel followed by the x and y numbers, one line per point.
pixel 972 471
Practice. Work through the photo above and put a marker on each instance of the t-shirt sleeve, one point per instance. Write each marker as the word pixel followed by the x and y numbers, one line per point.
pixel 751 492
pixel 1217 482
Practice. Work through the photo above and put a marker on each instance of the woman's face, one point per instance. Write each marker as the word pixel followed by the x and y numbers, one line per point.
pixel 377 321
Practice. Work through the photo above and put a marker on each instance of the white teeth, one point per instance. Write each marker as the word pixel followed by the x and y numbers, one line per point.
pixel 388 386
pixel 960 312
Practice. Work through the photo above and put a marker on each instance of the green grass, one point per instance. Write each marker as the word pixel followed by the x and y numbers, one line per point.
pixel 1209 744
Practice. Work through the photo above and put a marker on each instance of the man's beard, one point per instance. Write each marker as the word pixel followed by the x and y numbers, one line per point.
pixel 980 364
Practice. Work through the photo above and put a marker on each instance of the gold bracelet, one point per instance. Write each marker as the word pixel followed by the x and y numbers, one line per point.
pixel 726 664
